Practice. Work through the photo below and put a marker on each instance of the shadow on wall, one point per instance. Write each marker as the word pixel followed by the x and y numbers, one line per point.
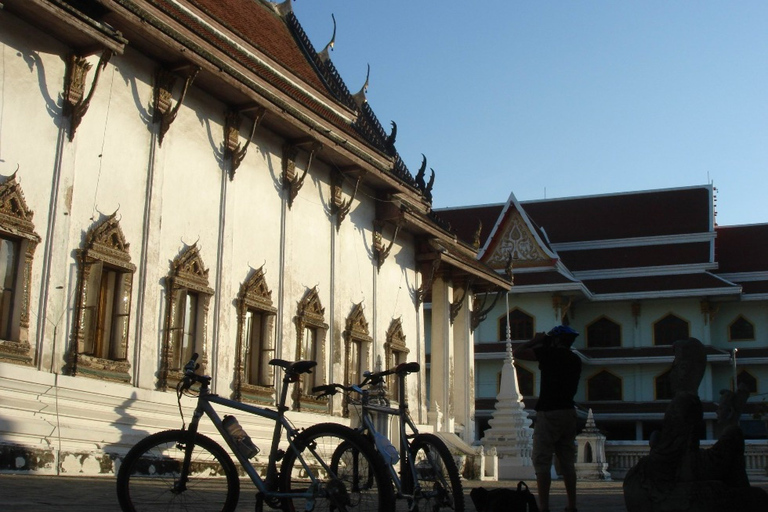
pixel 51 456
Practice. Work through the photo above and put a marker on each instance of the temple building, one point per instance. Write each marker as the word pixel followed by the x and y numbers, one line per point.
pixel 194 176
pixel 632 272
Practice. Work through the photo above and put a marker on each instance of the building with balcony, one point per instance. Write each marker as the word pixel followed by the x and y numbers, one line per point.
pixel 632 272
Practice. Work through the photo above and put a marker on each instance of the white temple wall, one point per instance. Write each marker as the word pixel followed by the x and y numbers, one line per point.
pixel 167 197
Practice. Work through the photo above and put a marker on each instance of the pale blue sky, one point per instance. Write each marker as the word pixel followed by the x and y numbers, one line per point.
pixel 565 98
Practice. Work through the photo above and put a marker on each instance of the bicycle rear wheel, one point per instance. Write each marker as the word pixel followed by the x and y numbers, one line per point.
pixel 436 473
pixel 354 480
pixel 149 476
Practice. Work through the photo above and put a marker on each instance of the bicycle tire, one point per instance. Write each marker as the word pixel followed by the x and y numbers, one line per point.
pixel 437 475
pixel 346 454
pixel 149 473
pixel 340 487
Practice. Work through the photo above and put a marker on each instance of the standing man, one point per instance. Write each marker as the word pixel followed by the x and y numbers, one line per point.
pixel 555 430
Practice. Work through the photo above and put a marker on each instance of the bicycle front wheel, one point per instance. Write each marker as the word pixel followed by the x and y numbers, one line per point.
pixel 150 475
pixel 437 475
pixel 355 479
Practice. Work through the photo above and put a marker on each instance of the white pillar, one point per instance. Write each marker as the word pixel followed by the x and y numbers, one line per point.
pixel 464 376
pixel 441 367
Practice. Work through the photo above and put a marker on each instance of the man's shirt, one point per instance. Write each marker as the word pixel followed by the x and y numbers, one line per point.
pixel 560 372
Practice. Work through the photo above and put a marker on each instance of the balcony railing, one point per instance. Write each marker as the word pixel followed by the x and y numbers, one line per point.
pixel 622 455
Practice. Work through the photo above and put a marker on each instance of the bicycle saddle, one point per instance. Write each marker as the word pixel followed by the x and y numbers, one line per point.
pixel 298 367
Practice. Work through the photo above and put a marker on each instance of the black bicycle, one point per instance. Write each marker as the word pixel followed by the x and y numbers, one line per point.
pixel 186 470
pixel 428 478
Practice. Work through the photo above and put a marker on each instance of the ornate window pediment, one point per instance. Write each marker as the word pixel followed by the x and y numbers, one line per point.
pixel 396 352
pixel 18 242
pixel 188 270
pixel 357 345
pixel 186 317
pixel 255 341
pixel 100 347
pixel 311 330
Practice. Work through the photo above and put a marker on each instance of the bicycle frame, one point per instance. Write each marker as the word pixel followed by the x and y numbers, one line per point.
pixel 266 486
pixel 404 420
pixel 418 480
pixel 405 423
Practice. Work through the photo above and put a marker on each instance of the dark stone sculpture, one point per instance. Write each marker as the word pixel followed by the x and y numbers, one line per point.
pixel 677 475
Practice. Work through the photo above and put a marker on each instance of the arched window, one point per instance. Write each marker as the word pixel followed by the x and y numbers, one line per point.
pixel 603 333
pixel 357 342
pixel 310 346
pixel 525 381
pixel 604 386
pixel 749 380
pixel 663 385
pixel 103 304
pixel 521 325
pixel 588 452
pixel 741 329
pixel 186 320
pixel 396 353
pixel 18 241
pixel 255 341
pixel 669 330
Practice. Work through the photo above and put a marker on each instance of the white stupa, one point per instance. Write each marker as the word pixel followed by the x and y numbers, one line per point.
pixel 591 463
pixel 510 432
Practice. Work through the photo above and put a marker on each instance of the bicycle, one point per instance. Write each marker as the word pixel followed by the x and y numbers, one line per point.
pixel 428 472
pixel 184 469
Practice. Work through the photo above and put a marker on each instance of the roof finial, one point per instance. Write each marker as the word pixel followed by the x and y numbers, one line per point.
pixel 391 139
pixel 324 55
pixel 284 8
pixel 360 96
pixel 420 183
pixel 428 188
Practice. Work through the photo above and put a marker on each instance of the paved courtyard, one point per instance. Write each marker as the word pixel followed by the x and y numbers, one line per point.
pixel 22 493
pixel 32 493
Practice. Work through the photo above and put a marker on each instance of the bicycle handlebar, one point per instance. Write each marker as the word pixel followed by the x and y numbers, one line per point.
pixel 402 370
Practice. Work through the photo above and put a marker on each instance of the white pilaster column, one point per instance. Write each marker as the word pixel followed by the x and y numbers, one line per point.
pixel 464 368
pixel 441 373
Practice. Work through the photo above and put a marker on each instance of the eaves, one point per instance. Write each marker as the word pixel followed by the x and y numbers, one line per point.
pixel 635 242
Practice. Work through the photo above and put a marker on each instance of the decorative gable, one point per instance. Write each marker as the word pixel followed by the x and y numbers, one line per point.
pixel 514 238
pixel 255 292
pixel 106 242
pixel 14 213
pixel 357 325
pixel 396 337
pixel 311 310
pixel 188 271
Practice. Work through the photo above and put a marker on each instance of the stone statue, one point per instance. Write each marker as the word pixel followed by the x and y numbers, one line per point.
pixel 677 475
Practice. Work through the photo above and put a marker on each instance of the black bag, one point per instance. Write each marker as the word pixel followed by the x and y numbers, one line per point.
pixel 504 500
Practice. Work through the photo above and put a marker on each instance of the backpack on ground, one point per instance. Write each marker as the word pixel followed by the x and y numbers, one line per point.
pixel 504 500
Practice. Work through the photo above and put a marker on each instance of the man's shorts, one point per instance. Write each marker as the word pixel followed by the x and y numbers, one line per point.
pixel 554 434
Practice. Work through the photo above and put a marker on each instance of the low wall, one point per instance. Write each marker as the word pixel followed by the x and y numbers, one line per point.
pixel 60 425
pixel 622 455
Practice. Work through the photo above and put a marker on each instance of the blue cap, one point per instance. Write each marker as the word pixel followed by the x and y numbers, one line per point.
pixel 561 330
